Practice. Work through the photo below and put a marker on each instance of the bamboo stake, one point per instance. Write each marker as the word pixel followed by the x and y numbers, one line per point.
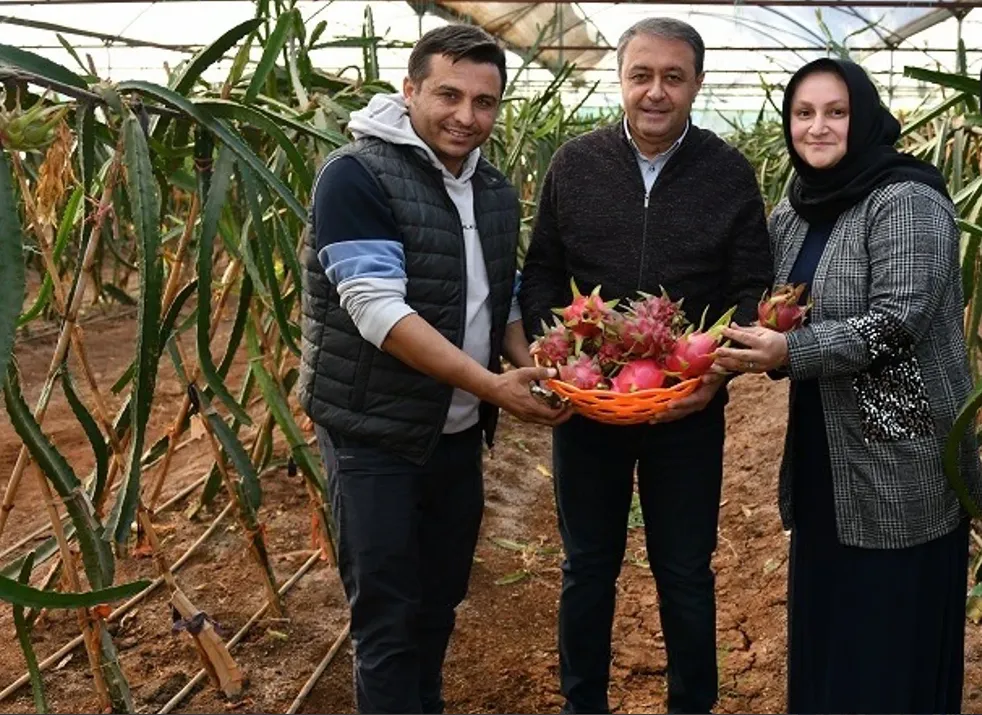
pixel 101 409
pixel 42 230
pixel 88 625
pixel 320 535
pixel 66 331
pixel 181 494
pixel 121 610
pixel 174 279
pixel 45 585
pixel 231 276
pixel 319 670
pixel 116 314
pixel 225 671
pixel 222 669
pixel 59 298
pixel 218 663
pixel 234 640
pixel 118 444
pixel 37 533
pixel 102 414
pixel 184 492
pixel 253 530
pixel 45 528
pixel 111 475
pixel 254 533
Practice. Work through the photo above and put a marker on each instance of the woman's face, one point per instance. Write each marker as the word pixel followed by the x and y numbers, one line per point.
pixel 820 119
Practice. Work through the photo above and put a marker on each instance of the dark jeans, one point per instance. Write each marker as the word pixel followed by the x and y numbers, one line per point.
pixel 679 468
pixel 406 540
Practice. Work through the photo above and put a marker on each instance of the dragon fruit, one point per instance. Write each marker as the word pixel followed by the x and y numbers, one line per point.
pixel 583 372
pixel 553 347
pixel 610 355
pixel 639 346
pixel 780 310
pixel 659 307
pixel 585 316
pixel 645 337
pixel 638 375
pixel 693 353
pixel 651 326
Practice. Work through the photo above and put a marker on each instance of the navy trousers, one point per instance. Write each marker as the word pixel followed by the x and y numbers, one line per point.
pixel 679 467
pixel 406 540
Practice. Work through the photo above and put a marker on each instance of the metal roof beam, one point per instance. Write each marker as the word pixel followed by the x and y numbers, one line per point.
pixel 818 4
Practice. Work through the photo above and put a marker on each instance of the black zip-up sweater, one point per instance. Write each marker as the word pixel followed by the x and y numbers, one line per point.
pixel 700 233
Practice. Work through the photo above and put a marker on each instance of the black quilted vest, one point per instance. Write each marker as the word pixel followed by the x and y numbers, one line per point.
pixel 346 384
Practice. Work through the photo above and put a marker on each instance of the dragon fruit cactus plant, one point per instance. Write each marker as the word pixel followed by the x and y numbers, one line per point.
pixel 781 310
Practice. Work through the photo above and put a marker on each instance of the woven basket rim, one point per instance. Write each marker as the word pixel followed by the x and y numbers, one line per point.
pixel 639 396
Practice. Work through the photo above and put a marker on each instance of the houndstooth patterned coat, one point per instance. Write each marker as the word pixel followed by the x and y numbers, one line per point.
pixel 885 340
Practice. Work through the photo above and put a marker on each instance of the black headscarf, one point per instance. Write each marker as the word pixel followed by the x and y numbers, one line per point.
pixel 871 161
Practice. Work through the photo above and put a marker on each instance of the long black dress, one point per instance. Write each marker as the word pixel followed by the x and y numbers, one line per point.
pixel 870 630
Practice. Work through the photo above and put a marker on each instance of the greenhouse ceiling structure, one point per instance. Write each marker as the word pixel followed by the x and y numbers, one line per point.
pixel 752 45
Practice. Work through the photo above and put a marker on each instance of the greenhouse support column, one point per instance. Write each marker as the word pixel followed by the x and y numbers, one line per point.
pixel 890 87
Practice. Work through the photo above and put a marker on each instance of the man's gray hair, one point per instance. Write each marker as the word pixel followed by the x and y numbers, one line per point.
pixel 666 28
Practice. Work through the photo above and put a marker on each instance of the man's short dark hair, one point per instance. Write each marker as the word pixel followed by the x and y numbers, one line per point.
pixel 668 29
pixel 457 42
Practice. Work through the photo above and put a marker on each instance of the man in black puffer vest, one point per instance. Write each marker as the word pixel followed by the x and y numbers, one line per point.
pixel 408 304
pixel 652 201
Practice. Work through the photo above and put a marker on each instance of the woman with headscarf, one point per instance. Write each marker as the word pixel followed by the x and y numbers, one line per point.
pixel 879 540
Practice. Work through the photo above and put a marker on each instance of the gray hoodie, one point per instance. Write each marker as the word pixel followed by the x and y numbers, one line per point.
pixel 376 305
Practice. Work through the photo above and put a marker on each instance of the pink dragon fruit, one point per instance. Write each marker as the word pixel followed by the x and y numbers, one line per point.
pixel 638 375
pixel 651 326
pixel 609 355
pixel 583 372
pixel 585 316
pixel 645 337
pixel 693 353
pixel 553 347
pixel 660 308
pixel 780 310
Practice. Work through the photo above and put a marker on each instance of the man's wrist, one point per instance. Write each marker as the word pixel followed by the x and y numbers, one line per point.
pixel 487 386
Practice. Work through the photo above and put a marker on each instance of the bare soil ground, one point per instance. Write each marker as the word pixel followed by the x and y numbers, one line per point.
pixel 503 656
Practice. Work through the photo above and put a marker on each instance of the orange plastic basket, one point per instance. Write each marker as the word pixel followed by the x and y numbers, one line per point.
pixel 622 408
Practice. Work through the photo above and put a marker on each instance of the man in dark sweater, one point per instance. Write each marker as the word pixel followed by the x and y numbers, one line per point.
pixel 652 201
pixel 408 306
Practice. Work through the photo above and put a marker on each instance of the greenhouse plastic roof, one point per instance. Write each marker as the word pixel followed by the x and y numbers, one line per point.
pixel 556 26
pixel 749 47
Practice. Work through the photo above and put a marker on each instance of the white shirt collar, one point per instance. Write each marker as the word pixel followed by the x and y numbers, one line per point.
pixel 666 153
